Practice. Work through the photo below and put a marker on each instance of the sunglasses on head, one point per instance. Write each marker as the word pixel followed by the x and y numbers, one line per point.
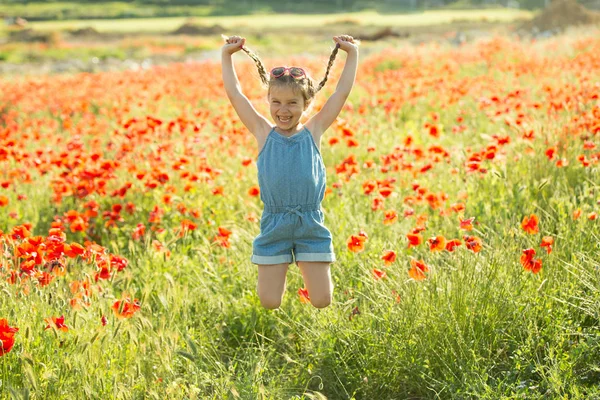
pixel 295 72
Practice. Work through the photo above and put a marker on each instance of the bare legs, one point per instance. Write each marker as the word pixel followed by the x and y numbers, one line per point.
pixel 317 279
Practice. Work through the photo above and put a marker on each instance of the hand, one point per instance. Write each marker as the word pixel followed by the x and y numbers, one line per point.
pixel 346 42
pixel 233 44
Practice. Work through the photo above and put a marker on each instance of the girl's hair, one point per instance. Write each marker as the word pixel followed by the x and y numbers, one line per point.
pixel 306 85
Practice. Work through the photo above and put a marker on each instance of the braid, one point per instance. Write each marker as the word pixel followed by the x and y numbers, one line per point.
pixel 262 71
pixel 331 58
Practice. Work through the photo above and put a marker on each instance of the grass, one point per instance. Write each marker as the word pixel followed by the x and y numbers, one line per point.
pixel 291 20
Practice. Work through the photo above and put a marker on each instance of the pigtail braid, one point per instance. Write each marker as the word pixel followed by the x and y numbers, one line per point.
pixel 262 71
pixel 331 58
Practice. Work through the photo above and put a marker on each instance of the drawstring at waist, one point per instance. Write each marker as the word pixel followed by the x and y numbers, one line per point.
pixel 295 209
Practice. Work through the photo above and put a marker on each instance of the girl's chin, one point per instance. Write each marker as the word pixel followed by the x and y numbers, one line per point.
pixel 288 124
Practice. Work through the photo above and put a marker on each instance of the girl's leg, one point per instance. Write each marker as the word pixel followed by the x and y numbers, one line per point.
pixel 271 284
pixel 317 278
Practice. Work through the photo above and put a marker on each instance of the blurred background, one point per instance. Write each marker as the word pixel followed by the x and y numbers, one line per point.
pixel 82 35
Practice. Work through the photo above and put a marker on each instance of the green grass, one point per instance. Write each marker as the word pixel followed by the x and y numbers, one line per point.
pixel 72 10
pixel 292 20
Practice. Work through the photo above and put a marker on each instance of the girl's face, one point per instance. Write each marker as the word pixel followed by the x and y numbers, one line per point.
pixel 287 107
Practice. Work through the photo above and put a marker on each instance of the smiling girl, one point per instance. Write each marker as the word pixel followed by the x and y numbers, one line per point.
pixel 291 173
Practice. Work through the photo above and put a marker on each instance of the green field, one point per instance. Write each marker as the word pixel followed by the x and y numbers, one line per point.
pixel 291 20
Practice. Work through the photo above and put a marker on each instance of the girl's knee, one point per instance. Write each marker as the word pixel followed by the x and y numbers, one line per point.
pixel 321 302
pixel 269 298
pixel 269 302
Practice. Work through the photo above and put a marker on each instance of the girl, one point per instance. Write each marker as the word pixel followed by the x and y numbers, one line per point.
pixel 291 173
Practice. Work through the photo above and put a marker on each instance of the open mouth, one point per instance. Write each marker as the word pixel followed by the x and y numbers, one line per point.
pixel 285 120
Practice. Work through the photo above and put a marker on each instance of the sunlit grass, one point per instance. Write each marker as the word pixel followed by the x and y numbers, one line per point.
pixel 433 17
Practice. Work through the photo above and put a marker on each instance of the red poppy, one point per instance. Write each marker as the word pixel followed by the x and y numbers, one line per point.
pixel 125 308
pixel 391 216
pixel 457 207
pixel 304 297
pixel 467 224
pixel 472 243
pixel 547 242
pixel 530 224
pixel 369 186
pixel 414 239
pixel 389 256
pixel 451 244
pixel 356 243
pixel 437 243
pixel 7 334
pixel 57 323
pixel 378 274
pixel 73 250
pixel 254 191
pixel 138 232
pixel 377 203
pixel 418 269
pixel 529 263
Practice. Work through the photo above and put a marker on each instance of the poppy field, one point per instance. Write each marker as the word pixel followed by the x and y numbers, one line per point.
pixel 463 199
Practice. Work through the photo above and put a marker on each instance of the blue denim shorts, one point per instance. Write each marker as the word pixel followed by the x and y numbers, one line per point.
pixel 292 233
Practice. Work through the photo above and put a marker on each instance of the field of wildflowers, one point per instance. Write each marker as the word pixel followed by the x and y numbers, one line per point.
pixel 463 198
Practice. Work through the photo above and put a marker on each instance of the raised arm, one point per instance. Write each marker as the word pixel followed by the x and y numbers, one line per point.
pixel 325 117
pixel 256 123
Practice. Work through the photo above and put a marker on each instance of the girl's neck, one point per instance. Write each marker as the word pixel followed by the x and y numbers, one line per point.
pixel 291 131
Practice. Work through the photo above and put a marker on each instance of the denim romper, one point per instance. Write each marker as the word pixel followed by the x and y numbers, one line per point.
pixel 291 177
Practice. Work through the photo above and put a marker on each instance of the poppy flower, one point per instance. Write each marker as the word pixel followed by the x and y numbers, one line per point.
pixel 530 224
pixel 391 216
pixel 7 334
pixel 414 239
pixel 457 207
pixel 437 243
pixel 378 274
pixel 389 257
pixel 577 213
pixel 356 243
pixel 125 308
pixel 254 191
pixel 369 186
pixel 304 297
pixel 20 232
pixel 138 232
pixel 467 224
pixel 451 244
pixel 57 323
pixel 472 243
pixel 529 263
pixel 385 191
pixel 547 242
pixel 377 203
pixel 418 269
